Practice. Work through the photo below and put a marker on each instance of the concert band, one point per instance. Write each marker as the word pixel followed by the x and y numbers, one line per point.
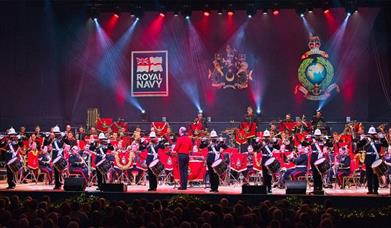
pixel 287 150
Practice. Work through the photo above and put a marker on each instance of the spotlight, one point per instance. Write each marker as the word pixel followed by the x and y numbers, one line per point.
pixel 264 11
pixel 302 15
pixel 251 11
pixel 176 13
pixel 220 12
pixel 94 13
pixel 276 12
pixel 326 10
pixel 163 12
pixel 116 15
pixel 310 10
pixel 116 12
pixel 207 13
pixel 351 7
pixel 258 110
pixel 187 12
pixel 143 116
pixel 275 9
pixel 200 111
pixel 143 111
pixel 139 13
pixel 230 12
pixel 349 14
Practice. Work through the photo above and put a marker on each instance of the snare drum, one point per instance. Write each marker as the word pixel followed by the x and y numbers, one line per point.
pixel 219 167
pixel 379 167
pixel 14 164
pixel 322 164
pixel 273 165
pixel 156 167
pixel 103 166
pixel 60 163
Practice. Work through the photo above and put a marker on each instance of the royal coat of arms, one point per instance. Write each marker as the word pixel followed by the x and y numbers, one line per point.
pixel 230 70
pixel 316 73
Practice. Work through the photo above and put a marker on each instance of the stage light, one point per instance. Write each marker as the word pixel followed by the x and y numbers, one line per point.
pixel 310 10
pixel 176 13
pixel 96 20
pixel 326 10
pixel 230 12
pixel 258 110
pixel 94 13
pixel 251 11
pixel 351 7
pixel 200 111
pixel 143 111
pixel 220 12
pixel 349 14
pixel 264 11
pixel 163 12
pixel 302 15
pixel 276 12
pixel 116 15
pixel 187 12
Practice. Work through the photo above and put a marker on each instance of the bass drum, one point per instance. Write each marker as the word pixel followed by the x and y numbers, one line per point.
pixel 14 164
pixel 103 166
pixel 273 165
pixel 60 163
pixel 322 164
pixel 220 167
pixel 156 167
pixel 379 167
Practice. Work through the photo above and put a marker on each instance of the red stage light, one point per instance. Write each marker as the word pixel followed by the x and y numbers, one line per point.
pixel 206 13
pixel 230 13
pixel 326 11
pixel 116 15
pixel 162 14
pixel 276 12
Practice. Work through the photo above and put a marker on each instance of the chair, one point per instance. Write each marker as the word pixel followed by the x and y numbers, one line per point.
pixel 352 179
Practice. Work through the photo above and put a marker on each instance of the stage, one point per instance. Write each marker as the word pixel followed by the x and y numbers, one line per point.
pixel 350 197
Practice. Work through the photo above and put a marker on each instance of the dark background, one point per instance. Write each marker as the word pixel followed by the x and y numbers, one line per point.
pixel 54 65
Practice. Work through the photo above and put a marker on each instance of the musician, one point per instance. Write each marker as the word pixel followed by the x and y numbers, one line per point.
pixel 13 145
pixel 81 134
pixel 317 145
pixel 343 169
pixel 57 145
pixel 101 148
pixel 137 162
pixel 214 146
pixel 301 161
pixel 318 122
pixel 22 133
pixel 199 124
pixel 123 158
pixel 68 129
pixel 44 160
pixel 69 139
pixel 251 118
pixel 77 163
pixel 152 147
pixel 301 126
pixel 372 145
pixel 183 147
pixel 266 148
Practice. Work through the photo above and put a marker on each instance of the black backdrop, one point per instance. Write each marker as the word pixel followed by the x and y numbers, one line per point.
pixel 53 67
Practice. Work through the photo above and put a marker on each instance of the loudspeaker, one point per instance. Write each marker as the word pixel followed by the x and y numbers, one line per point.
pixel 296 187
pixel 74 184
pixel 113 187
pixel 253 189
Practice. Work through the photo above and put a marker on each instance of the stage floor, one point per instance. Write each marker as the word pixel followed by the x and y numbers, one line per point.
pixel 169 189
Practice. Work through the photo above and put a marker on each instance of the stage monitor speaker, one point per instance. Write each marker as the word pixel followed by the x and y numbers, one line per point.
pixel 253 189
pixel 74 184
pixel 113 187
pixel 296 187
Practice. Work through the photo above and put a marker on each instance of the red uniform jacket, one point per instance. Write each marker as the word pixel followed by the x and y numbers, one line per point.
pixel 183 145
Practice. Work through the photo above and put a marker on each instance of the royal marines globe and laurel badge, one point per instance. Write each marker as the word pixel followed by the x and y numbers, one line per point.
pixel 316 73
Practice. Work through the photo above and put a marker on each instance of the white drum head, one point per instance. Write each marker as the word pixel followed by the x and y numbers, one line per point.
pixel 216 163
pixel 376 163
pixel 153 163
pixel 269 161
pixel 12 160
pixel 319 161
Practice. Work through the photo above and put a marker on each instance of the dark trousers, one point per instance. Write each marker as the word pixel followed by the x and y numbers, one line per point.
pixel 152 180
pixel 213 178
pixel 57 182
pixel 183 169
pixel 10 178
pixel 99 178
pixel 267 178
pixel 318 185
pixel 372 179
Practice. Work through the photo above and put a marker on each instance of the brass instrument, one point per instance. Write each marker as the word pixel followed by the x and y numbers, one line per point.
pixel 360 156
